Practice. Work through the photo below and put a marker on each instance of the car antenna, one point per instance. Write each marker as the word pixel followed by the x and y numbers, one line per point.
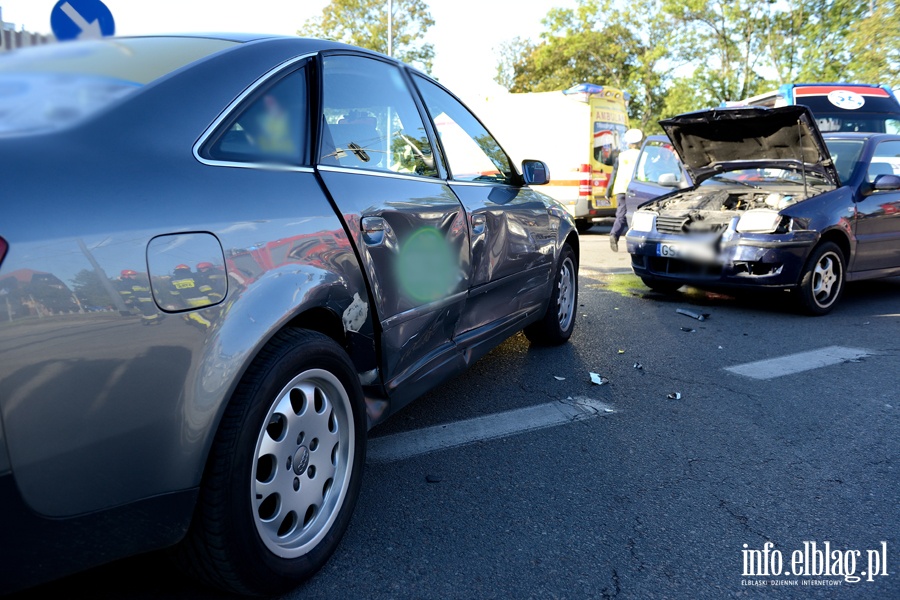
pixel 802 160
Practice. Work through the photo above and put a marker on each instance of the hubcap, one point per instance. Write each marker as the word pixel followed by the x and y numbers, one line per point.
pixel 303 463
pixel 566 295
pixel 826 281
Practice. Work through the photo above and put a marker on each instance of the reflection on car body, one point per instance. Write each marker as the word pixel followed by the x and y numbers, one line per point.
pixel 308 267
pixel 775 206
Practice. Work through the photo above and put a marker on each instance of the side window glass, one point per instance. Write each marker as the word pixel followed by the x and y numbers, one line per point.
pixel 271 128
pixel 885 160
pixel 370 120
pixel 472 154
pixel 656 160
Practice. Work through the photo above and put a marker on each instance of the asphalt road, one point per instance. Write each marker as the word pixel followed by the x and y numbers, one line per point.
pixel 642 496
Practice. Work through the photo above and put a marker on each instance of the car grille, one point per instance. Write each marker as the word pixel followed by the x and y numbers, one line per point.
pixel 685 224
pixel 666 224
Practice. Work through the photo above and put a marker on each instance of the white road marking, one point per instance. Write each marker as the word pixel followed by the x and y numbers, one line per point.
pixel 452 435
pixel 797 363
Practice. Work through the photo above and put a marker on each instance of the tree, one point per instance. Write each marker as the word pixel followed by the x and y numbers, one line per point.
pixel 364 23
pixel 835 40
pixel 654 61
pixel 573 50
pixel 875 45
pixel 89 289
pixel 725 41
pixel 597 43
pixel 675 56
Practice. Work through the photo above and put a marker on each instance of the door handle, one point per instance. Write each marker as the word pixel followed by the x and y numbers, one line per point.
pixel 478 223
pixel 372 224
pixel 373 230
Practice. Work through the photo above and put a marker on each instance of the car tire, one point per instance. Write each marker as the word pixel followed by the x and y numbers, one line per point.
pixel 822 281
pixel 558 322
pixel 662 286
pixel 583 226
pixel 284 472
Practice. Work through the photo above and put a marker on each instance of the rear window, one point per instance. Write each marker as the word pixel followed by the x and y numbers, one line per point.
pixel 878 114
pixel 48 87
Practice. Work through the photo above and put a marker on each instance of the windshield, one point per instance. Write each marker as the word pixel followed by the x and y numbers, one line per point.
pixel 47 87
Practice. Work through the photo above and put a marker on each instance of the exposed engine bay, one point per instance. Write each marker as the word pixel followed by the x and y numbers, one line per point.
pixel 707 211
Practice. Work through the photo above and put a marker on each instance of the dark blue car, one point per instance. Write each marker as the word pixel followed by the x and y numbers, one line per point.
pixel 775 205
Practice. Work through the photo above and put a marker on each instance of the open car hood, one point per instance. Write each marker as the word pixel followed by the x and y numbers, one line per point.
pixel 724 139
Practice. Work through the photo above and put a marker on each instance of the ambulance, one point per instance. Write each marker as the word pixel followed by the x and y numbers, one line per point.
pixel 577 132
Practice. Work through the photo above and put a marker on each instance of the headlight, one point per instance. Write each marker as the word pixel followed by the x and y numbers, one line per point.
pixel 642 220
pixel 761 221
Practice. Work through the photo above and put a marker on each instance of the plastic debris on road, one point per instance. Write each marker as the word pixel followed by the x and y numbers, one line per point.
pixel 598 379
pixel 688 330
pixel 638 366
pixel 692 314
pixel 558 378
pixel 674 396
pixel 621 352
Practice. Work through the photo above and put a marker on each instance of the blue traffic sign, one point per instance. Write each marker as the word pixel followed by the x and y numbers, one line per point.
pixel 81 20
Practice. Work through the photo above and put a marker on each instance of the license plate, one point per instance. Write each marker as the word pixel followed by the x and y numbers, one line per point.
pixel 669 250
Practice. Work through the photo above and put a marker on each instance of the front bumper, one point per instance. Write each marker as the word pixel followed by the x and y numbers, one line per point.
pixel 735 259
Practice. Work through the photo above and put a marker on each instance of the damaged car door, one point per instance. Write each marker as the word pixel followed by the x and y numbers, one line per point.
pixel 377 164
pixel 512 243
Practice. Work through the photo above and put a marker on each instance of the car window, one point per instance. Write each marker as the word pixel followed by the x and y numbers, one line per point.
pixel 472 153
pixel 658 159
pixel 370 120
pixel 845 154
pixel 885 160
pixel 270 128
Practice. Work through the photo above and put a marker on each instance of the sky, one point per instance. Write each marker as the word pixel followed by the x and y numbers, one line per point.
pixel 466 33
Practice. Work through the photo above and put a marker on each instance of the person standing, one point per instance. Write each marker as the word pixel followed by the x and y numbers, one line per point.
pixel 622 173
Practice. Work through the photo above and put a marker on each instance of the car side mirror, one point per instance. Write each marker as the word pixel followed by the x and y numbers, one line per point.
pixel 535 172
pixel 668 180
pixel 886 183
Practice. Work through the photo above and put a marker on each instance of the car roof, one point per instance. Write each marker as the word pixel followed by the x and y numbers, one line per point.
pixel 227 36
pixel 859 135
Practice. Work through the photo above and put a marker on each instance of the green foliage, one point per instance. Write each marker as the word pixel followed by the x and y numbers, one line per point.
pixel 90 289
pixel 364 23
pixel 674 56
pixel 571 51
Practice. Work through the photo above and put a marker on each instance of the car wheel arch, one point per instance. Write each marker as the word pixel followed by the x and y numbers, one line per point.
pixel 839 238
pixel 573 242
pixel 227 358
pixel 202 551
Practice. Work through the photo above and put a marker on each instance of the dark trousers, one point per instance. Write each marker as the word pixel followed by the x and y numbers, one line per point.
pixel 621 224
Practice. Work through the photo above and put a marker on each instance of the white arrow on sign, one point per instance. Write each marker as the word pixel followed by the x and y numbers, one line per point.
pixel 89 31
